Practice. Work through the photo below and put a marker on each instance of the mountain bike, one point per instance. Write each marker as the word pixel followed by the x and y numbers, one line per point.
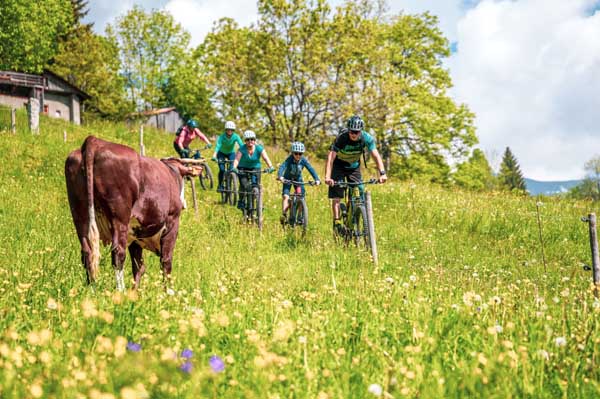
pixel 206 177
pixel 253 201
pixel 357 216
pixel 229 191
pixel 298 210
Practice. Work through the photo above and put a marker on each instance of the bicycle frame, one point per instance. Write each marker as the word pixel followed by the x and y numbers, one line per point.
pixel 253 204
pixel 298 209
pixel 229 189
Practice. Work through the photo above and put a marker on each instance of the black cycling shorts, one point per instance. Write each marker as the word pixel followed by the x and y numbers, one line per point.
pixel 340 173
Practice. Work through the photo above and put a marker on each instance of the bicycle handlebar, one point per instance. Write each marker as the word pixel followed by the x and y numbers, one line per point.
pixel 342 183
pixel 255 172
pixel 299 183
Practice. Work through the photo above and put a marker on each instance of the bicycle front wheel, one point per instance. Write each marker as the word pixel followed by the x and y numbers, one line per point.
pixel 360 227
pixel 301 216
pixel 256 194
pixel 232 187
pixel 206 177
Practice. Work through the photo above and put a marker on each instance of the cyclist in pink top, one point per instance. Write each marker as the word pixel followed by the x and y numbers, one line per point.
pixel 184 137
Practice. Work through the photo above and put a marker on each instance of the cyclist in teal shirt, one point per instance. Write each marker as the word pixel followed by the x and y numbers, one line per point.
pixel 248 159
pixel 343 161
pixel 225 149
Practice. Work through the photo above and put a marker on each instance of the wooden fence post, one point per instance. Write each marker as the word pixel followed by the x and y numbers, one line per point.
pixel 591 219
pixel 64 136
pixel 142 149
pixel 13 120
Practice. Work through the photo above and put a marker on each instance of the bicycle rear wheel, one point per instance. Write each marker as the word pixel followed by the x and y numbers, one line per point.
pixel 206 177
pixel 360 227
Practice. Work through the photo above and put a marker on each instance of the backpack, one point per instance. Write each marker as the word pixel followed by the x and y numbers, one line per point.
pixel 179 129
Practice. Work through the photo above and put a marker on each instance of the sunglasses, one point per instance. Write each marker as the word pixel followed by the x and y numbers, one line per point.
pixel 297 153
pixel 250 139
pixel 354 131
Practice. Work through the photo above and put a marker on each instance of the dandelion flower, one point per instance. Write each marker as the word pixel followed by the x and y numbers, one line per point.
pixel 376 389
pixel 560 341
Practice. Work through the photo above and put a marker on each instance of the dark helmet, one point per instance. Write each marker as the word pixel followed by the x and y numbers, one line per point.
pixel 355 123
pixel 192 124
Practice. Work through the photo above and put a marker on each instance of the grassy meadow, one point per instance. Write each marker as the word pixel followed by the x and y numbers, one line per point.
pixel 461 304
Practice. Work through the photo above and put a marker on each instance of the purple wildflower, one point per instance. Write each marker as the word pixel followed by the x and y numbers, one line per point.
pixel 187 353
pixel 133 347
pixel 186 367
pixel 216 364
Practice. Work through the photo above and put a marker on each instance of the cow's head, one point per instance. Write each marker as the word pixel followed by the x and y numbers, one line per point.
pixel 182 167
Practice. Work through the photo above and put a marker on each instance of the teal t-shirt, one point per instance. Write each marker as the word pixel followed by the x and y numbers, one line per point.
pixel 226 144
pixel 250 162
pixel 348 151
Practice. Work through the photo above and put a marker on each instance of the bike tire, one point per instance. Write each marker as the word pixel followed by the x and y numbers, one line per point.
pixel 256 194
pixel 206 178
pixel 233 185
pixel 360 227
pixel 301 218
pixel 371 224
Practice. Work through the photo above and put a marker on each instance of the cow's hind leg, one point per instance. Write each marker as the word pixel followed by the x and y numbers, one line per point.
pixel 119 245
pixel 137 262
pixel 167 245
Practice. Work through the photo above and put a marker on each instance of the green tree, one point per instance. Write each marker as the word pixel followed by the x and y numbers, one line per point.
pixel 510 176
pixel 29 32
pixel 589 188
pixel 475 173
pixel 91 62
pixel 150 44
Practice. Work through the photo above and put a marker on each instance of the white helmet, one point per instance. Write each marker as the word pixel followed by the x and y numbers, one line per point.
pixel 297 147
pixel 229 125
pixel 249 134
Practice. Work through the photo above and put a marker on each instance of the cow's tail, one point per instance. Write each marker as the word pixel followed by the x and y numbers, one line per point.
pixel 93 236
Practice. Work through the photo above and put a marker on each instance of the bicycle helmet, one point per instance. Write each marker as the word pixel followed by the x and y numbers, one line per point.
pixel 192 124
pixel 229 125
pixel 249 134
pixel 297 147
pixel 355 123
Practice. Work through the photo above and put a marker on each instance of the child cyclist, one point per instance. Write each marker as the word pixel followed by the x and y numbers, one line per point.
pixel 291 169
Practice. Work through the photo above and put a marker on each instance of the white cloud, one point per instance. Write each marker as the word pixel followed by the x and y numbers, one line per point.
pixel 530 70
pixel 198 16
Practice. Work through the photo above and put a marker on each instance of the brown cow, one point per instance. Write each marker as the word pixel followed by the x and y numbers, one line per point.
pixel 125 200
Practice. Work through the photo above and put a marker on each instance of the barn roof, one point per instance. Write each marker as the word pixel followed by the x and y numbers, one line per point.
pixel 31 80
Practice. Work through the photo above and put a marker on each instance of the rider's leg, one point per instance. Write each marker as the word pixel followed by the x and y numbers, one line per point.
pixel 244 188
pixel 221 157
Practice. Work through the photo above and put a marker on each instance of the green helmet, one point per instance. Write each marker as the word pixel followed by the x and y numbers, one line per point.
pixel 192 124
pixel 355 123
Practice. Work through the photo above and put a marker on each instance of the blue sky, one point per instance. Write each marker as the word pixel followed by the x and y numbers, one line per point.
pixel 529 69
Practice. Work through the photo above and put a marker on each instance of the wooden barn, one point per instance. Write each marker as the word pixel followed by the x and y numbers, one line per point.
pixel 167 119
pixel 58 98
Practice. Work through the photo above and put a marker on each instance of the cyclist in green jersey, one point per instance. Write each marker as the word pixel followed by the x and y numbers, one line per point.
pixel 248 160
pixel 343 161
pixel 225 149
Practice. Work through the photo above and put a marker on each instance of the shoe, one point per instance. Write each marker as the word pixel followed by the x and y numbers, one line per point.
pixel 282 218
pixel 338 227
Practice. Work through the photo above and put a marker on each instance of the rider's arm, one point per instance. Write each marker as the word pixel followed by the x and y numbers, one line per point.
pixel 281 170
pixel 264 156
pixel 380 166
pixel 330 157
pixel 311 170
pixel 236 161
pixel 202 136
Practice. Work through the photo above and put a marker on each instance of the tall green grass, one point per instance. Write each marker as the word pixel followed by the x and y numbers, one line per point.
pixel 459 306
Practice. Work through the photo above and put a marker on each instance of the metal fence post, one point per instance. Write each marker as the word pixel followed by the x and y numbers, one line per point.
pixel 591 219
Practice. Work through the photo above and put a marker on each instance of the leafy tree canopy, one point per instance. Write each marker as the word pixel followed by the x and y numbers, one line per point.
pixel 29 32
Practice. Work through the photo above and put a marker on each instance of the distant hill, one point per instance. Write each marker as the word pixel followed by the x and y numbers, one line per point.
pixel 536 187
